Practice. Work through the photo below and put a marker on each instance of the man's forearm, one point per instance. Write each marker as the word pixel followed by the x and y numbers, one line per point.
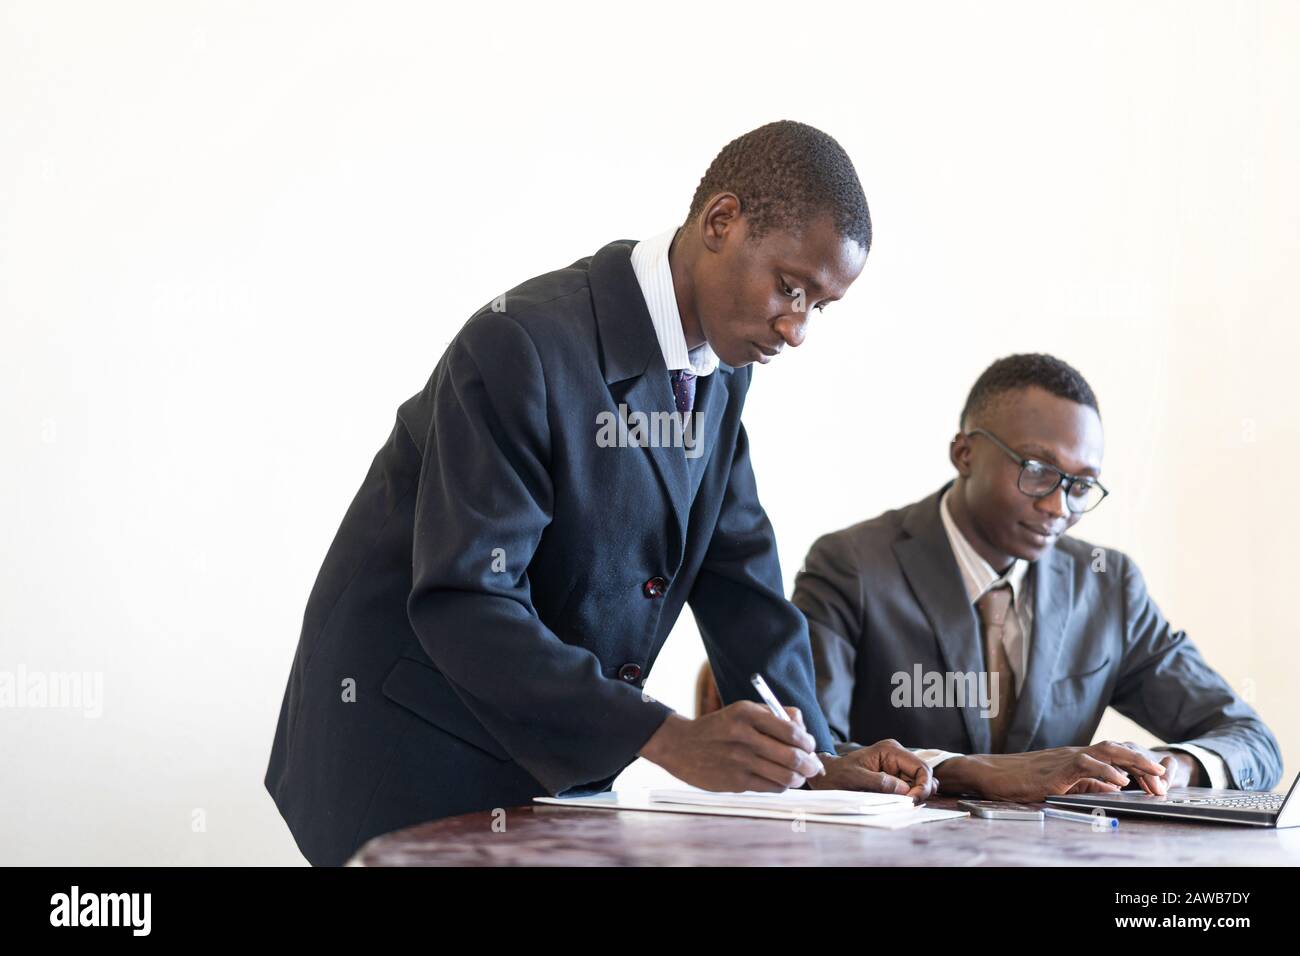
pixel 962 774
pixel 661 742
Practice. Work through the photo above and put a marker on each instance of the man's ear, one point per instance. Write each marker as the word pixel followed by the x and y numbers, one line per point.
pixel 959 454
pixel 721 221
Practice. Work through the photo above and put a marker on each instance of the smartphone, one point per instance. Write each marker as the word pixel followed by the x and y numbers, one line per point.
pixel 992 810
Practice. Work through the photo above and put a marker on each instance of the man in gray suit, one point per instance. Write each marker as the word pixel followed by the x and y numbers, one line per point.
pixel 967 623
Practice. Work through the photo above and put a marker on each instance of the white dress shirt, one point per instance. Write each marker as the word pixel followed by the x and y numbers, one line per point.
pixel 978 577
pixel 655 276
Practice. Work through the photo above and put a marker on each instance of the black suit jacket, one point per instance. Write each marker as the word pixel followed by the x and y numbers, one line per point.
pixel 885 597
pixel 490 601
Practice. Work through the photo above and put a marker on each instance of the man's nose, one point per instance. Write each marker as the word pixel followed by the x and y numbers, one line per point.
pixel 793 328
pixel 1054 504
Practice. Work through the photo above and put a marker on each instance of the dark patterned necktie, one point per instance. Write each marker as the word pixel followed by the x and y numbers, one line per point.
pixel 683 389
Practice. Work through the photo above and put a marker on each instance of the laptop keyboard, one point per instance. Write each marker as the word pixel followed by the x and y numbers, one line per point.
pixel 1247 801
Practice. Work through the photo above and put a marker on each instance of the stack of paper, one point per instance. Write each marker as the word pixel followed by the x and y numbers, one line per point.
pixel 791 801
pixel 848 807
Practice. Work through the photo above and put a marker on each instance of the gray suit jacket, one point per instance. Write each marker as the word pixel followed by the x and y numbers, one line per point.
pixel 885 597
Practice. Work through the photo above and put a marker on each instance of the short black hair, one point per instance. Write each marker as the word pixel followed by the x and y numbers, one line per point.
pixel 1022 371
pixel 785 175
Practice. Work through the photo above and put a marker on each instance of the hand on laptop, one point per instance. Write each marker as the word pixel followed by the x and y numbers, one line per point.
pixel 1100 768
pixel 1179 770
pixel 884 767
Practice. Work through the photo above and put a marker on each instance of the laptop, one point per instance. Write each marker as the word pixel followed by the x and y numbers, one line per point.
pixel 1198 803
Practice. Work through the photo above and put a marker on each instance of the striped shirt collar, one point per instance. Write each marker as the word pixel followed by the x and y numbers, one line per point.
pixel 655 276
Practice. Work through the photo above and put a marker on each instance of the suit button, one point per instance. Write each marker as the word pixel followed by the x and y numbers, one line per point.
pixel 630 673
pixel 655 587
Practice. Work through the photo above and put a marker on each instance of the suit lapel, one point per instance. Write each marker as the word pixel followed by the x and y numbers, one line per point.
pixel 710 401
pixel 635 372
pixel 1053 597
pixel 647 394
pixel 930 567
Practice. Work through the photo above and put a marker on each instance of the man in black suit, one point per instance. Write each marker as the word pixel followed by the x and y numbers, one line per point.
pixel 574 473
pixel 978 580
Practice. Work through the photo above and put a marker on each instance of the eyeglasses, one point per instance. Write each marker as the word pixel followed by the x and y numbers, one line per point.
pixel 1038 479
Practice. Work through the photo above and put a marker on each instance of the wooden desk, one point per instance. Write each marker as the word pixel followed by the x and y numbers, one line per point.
pixel 541 835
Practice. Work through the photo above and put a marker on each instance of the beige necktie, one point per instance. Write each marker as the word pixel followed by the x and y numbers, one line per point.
pixel 993 607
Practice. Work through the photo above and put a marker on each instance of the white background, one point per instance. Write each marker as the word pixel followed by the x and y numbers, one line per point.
pixel 234 237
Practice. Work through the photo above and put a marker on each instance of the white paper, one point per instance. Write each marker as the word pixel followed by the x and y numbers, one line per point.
pixel 809 801
pixel 640 800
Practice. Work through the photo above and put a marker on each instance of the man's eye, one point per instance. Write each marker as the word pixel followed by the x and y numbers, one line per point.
pixel 1080 489
pixel 786 289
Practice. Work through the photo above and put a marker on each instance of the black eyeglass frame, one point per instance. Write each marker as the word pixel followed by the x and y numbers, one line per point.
pixel 1061 477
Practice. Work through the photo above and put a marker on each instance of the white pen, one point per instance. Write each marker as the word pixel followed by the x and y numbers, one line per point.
pixel 775 707
pixel 1090 818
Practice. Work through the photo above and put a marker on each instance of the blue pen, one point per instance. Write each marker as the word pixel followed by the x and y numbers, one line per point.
pixel 1099 819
